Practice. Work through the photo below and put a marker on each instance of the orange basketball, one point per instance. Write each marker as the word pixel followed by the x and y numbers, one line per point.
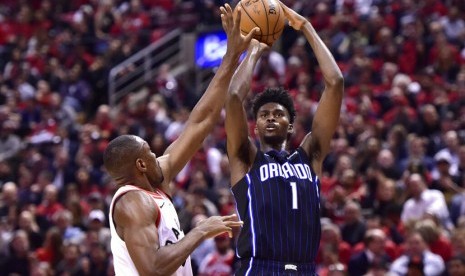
pixel 265 14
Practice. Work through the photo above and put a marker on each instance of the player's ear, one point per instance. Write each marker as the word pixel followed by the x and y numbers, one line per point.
pixel 255 130
pixel 290 129
pixel 141 165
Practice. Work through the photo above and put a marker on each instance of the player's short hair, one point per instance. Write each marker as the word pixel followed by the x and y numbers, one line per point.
pixel 120 152
pixel 275 95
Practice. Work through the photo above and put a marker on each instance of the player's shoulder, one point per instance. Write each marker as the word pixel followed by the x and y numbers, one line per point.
pixel 134 211
pixel 134 205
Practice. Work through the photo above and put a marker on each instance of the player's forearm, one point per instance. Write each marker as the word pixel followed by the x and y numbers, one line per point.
pixel 170 258
pixel 240 83
pixel 212 101
pixel 331 72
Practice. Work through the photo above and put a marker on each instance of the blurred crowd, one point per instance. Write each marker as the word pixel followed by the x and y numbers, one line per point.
pixel 393 193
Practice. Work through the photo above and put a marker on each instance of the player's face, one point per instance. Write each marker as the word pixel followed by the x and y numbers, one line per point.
pixel 272 125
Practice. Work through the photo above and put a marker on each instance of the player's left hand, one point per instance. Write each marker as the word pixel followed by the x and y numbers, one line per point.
pixel 237 43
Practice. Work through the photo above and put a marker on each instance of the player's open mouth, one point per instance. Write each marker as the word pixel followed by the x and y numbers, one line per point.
pixel 271 127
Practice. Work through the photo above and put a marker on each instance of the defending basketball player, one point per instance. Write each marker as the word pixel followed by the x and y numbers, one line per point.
pixel 277 193
pixel 146 238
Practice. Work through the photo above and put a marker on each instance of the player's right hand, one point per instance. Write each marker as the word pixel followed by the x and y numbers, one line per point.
pixel 216 225
pixel 296 20
pixel 237 43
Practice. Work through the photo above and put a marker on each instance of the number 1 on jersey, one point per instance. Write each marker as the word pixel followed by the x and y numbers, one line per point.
pixel 294 195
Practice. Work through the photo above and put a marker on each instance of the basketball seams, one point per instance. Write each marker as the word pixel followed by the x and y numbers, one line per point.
pixel 266 16
pixel 258 14
pixel 251 18
pixel 274 33
pixel 277 20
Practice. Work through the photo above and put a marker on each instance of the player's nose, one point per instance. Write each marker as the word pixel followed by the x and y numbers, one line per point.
pixel 270 118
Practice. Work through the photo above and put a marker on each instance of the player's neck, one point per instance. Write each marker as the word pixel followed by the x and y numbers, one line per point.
pixel 278 147
pixel 140 183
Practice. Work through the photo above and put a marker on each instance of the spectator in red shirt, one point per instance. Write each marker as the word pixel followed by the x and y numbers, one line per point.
pixel 433 9
pixel 373 254
pixel 331 238
pixel 400 112
pixel 435 238
pixel 51 250
pixel 49 205
pixel 389 247
pixel 220 261
pixel 135 19
pixel 322 18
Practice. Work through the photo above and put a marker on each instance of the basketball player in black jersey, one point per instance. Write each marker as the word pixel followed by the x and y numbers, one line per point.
pixel 277 193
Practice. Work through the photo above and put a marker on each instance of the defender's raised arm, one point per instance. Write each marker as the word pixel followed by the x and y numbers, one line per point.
pixel 207 111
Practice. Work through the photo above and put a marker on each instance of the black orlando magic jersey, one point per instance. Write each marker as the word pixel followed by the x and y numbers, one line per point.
pixel 278 200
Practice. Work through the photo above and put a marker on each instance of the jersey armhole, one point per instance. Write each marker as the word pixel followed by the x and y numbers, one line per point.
pixel 112 210
pixel 304 153
pixel 157 221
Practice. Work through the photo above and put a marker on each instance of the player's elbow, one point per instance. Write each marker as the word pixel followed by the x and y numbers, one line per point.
pixel 233 92
pixel 234 95
pixel 336 81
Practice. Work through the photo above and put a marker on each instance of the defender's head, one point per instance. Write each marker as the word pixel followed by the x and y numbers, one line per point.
pixel 274 114
pixel 129 158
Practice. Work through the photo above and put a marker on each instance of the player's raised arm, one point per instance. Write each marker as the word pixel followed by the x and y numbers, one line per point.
pixel 136 216
pixel 241 150
pixel 207 111
pixel 317 143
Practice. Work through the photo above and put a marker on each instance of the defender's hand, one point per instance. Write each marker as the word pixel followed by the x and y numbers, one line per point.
pixel 237 43
pixel 296 20
pixel 216 225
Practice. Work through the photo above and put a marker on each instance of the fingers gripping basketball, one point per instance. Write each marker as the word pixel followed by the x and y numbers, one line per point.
pixel 265 14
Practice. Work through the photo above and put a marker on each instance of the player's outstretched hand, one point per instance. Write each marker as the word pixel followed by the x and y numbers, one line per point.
pixel 216 225
pixel 237 43
pixel 296 20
